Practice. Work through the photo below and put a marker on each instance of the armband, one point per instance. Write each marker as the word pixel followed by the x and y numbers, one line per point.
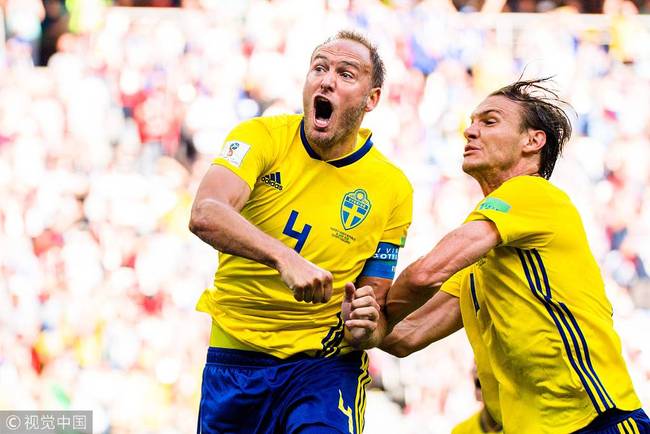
pixel 383 262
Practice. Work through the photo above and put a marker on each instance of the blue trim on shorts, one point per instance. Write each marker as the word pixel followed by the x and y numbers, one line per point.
pixel 232 357
pixel 608 421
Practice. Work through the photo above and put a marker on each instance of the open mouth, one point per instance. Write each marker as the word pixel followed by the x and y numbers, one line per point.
pixel 322 111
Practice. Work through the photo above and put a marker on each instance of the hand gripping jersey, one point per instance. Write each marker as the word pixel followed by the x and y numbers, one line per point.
pixel 537 305
pixel 336 214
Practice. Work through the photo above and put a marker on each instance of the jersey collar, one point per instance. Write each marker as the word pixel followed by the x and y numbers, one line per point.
pixel 343 161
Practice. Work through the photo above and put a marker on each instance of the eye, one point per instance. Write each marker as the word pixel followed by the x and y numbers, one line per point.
pixel 319 68
pixel 346 74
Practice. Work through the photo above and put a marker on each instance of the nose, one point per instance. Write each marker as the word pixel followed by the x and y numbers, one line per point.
pixel 328 81
pixel 471 132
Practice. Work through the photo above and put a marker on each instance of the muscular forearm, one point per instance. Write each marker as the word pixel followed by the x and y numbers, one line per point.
pixel 407 294
pixel 403 340
pixel 437 319
pixel 216 220
pixel 422 279
pixel 222 227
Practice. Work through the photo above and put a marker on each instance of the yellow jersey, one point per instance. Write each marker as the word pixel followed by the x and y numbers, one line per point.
pixel 334 213
pixel 471 425
pixel 489 385
pixel 538 306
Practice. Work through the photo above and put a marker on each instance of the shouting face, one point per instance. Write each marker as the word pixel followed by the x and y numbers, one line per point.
pixel 338 92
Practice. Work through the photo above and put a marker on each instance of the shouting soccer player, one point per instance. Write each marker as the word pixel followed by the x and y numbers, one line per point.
pixel 300 208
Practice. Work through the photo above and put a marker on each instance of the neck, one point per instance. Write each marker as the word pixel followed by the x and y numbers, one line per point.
pixel 336 150
pixel 492 179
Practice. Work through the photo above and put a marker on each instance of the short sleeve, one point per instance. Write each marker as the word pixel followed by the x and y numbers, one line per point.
pixel 453 284
pixel 247 150
pixel 400 219
pixel 522 211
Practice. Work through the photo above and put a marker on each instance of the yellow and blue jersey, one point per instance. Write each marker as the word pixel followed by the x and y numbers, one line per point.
pixel 336 214
pixel 537 305
pixel 489 386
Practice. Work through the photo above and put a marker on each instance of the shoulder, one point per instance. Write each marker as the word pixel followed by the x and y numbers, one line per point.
pixel 389 171
pixel 531 185
pixel 284 121
pixel 268 135
pixel 529 191
pixel 522 183
pixel 270 125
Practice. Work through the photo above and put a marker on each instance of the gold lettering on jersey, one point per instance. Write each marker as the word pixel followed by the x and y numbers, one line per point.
pixel 346 410
pixel 343 236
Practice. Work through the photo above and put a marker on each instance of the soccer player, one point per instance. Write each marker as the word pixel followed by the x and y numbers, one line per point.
pixel 301 207
pixel 525 282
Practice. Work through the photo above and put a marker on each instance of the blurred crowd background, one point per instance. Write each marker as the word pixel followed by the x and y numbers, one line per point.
pixel 109 117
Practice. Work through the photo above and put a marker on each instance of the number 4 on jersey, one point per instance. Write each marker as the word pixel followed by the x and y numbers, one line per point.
pixel 290 231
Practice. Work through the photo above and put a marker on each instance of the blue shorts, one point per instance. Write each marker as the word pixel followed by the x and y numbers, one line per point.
pixel 619 422
pixel 250 392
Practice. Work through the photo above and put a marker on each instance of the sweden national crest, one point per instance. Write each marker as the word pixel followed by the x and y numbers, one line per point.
pixel 354 208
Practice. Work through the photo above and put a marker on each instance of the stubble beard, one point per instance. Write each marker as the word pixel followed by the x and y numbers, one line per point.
pixel 348 124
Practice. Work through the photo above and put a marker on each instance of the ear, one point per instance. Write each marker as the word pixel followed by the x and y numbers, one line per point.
pixel 373 99
pixel 536 141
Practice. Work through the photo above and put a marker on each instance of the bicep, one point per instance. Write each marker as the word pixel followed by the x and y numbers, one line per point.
pixel 222 185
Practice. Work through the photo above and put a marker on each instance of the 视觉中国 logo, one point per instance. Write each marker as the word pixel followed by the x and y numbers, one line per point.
pixel 354 208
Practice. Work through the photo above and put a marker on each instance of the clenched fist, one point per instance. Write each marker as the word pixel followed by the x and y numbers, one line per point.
pixel 361 314
pixel 308 282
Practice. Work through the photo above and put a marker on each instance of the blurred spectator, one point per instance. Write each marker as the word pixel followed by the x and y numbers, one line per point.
pixel 53 26
pixel 23 23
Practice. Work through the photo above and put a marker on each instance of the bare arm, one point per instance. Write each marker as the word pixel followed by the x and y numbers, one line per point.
pixel 420 280
pixel 436 319
pixel 215 219
pixel 365 322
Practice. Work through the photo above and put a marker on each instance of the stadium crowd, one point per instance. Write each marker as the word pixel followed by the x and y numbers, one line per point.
pixel 101 152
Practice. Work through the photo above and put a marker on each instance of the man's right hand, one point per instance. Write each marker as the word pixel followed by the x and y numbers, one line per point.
pixel 308 282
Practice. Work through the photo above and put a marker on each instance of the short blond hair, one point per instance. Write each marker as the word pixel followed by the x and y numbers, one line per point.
pixel 378 68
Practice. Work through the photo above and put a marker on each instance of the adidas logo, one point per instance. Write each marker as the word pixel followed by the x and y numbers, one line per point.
pixel 273 179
